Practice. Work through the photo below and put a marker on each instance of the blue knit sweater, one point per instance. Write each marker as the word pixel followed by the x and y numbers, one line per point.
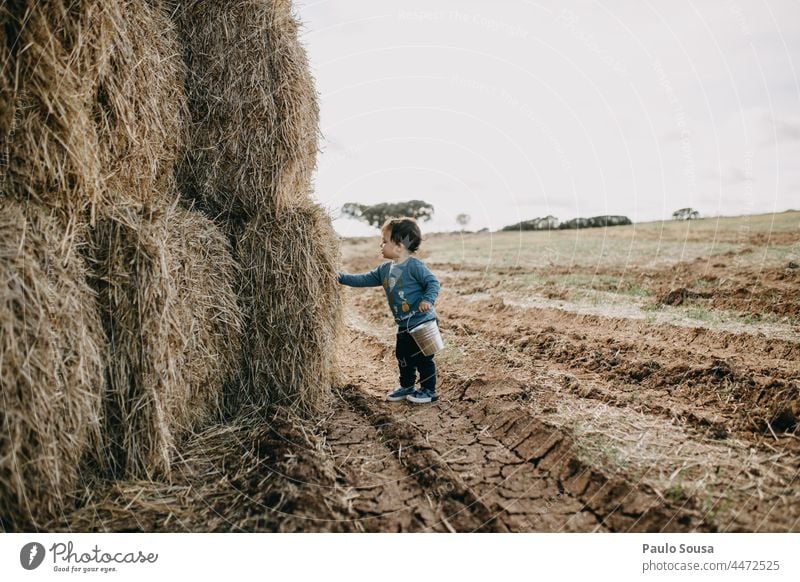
pixel 406 284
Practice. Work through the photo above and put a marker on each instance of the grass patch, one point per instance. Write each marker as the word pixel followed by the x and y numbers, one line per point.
pixel 700 314
pixel 676 493
pixel 635 290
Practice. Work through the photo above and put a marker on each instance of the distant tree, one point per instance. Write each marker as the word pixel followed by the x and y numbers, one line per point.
pixel 548 222
pixel 685 214
pixel 595 221
pixel 609 220
pixel 463 220
pixel 579 222
pixel 376 214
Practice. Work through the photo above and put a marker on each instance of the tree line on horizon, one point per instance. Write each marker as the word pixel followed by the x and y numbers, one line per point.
pixel 552 223
pixel 376 214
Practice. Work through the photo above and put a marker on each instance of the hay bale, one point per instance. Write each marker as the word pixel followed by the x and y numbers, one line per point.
pixel 55 54
pixel 205 274
pixel 99 102
pixel 51 365
pixel 252 150
pixel 291 301
pixel 165 281
pixel 254 130
pixel 140 103
pixel 136 296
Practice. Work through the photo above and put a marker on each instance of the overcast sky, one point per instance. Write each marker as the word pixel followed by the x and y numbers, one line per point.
pixel 507 110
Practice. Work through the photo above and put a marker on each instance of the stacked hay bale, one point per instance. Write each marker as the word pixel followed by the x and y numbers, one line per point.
pixel 123 311
pixel 52 358
pixel 253 144
pixel 165 281
pixel 206 274
pixel 55 53
pixel 254 108
pixel 165 275
pixel 96 90
pixel 140 106
pixel 292 303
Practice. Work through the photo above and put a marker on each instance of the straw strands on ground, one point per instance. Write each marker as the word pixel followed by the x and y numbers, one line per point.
pixel 51 365
pixel 290 297
pixel 251 474
pixel 254 110
pixel 165 281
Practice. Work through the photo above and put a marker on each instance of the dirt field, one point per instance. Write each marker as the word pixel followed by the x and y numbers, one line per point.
pixel 630 378
pixel 640 378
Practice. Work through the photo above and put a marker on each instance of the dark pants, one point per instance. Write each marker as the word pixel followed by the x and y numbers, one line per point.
pixel 410 359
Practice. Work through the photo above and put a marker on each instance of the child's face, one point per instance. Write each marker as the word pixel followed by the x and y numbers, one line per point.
pixel 389 249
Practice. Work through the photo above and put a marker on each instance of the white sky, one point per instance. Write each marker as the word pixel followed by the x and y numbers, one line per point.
pixel 507 110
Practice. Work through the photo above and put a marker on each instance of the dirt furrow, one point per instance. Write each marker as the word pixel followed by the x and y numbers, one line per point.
pixel 616 503
pixel 463 510
pixel 691 376
pixel 381 494
pixel 718 283
pixel 480 484
pixel 669 463
pixel 518 472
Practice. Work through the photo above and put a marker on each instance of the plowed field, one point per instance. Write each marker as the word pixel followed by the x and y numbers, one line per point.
pixel 641 378
pixel 626 379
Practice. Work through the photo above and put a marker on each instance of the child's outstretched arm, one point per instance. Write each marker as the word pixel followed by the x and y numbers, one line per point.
pixel 371 279
pixel 429 282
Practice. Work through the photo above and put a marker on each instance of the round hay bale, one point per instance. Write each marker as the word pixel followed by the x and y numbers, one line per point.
pixel 136 295
pixel 292 306
pixel 165 281
pixel 254 131
pixel 54 54
pixel 140 104
pixel 205 274
pixel 51 366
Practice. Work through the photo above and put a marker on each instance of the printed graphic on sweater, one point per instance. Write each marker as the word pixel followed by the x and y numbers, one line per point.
pixel 406 285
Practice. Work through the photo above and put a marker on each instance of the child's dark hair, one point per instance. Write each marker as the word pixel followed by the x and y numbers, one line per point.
pixel 405 231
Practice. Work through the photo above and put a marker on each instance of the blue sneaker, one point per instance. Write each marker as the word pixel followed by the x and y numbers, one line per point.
pixel 400 393
pixel 422 396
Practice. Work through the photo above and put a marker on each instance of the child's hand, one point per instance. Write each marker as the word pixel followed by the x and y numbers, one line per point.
pixel 424 306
